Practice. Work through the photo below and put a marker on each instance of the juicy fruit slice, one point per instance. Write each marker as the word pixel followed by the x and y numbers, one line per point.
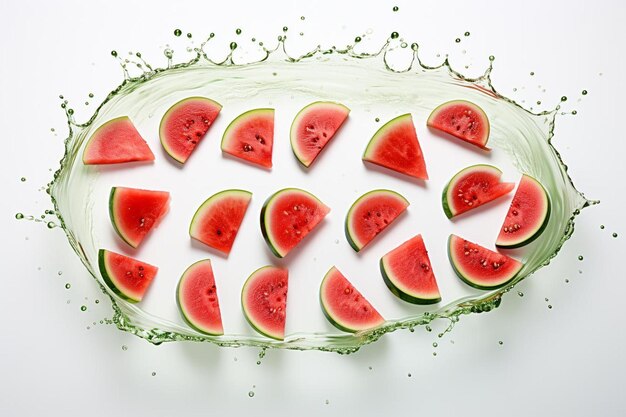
pixel 480 267
pixel 528 215
pixel 463 120
pixel 395 146
pixel 127 277
pixel 135 212
pixel 344 306
pixel 251 137
pixel 218 219
pixel 196 296
pixel 314 126
pixel 185 124
pixel 288 216
pixel 264 301
pixel 371 214
pixel 115 142
pixel 472 187
pixel 408 273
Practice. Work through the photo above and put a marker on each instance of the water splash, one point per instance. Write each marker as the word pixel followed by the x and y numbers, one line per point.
pixel 526 138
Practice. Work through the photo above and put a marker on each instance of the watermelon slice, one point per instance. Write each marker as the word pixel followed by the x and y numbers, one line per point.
pixel 135 212
pixel 408 273
pixel 218 219
pixel 314 126
pixel 264 301
pixel 370 214
pixel 480 267
pixel 472 187
pixel 528 215
pixel 250 137
pixel 344 306
pixel 127 277
pixel 196 296
pixel 463 120
pixel 115 142
pixel 395 146
pixel 185 124
pixel 288 216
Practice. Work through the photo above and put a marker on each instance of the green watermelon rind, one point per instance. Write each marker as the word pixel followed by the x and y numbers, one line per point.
pixel 166 115
pixel 209 201
pixel 293 134
pixel 264 228
pixel 539 230
pixel 109 280
pixel 334 320
pixel 181 308
pixel 113 217
pixel 445 198
pixel 256 326
pixel 352 240
pixel 475 282
pixel 475 107
pixel 413 298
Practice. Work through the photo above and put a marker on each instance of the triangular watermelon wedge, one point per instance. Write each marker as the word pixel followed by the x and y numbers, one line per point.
pixel 115 142
pixel 250 137
pixel 135 212
pixel 395 146
pixel 127 277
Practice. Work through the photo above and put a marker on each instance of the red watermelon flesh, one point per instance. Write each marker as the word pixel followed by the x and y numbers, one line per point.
pixel 528 215
pixel 264 301
pixel 288 216
pixel 313 127
pixel 395 146
pixel 480 267
pixel 185 124
pixel 372 213
pixel 115 142
pixel 197 299
pixel 463 120
pixel 344 306
pixel 408 273
pixel 251 137
pixel 472 187
pixel 218 219
pixel 134 212
pixel 127 277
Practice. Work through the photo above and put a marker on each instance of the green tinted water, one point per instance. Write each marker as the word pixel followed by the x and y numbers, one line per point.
pixel 524 136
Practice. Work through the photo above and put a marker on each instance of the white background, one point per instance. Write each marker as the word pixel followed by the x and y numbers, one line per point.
pixel 564 360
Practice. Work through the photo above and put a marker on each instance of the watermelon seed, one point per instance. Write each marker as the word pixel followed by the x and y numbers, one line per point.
pixel 140 268
pixel 247 148
pixel 347 290
pixel 515 212
pixel 219 232
pixel 128 273
pixel 466 253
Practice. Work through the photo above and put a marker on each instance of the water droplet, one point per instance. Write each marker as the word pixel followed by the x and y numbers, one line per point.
pixel 395 8
pixel 434 353
pixel 566 280
pixel 409 375
pixel 521 294
pixel 614 234
pixel 466 33
pixel 238 31
pixel 51 225
pixel 500 342
pixel 493 58
pixel 124 347
pixel 250 394
pixel 435 344
pixel 357 39
pixel 83 308
pixel 574 112
pixel 60 273
pixel 532 73
pixel 550 306
pixel 302 17
pixel 377 119
pixel 233 46
pixel 457 40
pixel 189 36
pixel 326 402
pixel 285 28
pixel 114 53
pixel 68 286
pixel 563 98
pixel 153 373
pixel 539 102
pixel 395 35
pixel 23 179
pixel 584 92
pixel 580 257
pixel 178 32
pixel 19 216
pixel 258 362
pixel 97 301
